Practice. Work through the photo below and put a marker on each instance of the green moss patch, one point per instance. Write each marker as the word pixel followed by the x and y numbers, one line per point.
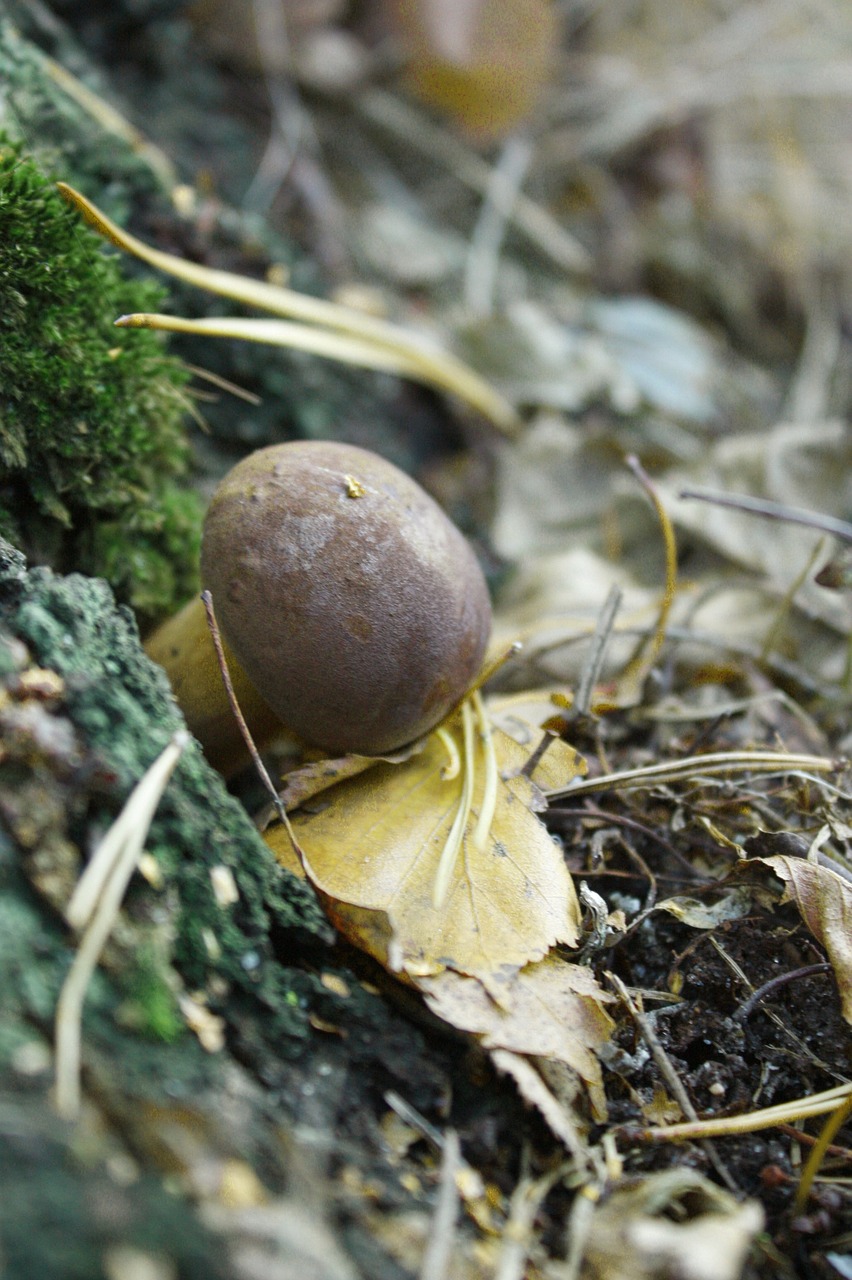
pixel 92 445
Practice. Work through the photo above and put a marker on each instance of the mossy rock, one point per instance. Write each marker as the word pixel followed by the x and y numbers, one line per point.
pixel 73 750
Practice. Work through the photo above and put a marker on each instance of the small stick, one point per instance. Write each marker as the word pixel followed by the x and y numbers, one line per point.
pixel 640 665
pixel 263 773
pixel 588 676
pixel 773 511
pixel 756 996
pixel 667 1071
pixel 591 671
pixel 442 1234
pixel 748 1122
pixel 833 1125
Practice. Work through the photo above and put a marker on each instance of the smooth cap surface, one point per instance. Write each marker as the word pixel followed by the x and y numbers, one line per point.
pixel 355 606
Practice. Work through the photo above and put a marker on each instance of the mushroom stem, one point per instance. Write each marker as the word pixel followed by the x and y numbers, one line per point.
pixel 184 647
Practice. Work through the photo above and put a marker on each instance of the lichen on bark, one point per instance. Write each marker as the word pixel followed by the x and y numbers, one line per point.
pixel 77 749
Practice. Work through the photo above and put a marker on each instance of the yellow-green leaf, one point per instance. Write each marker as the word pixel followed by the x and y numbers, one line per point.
pixel 377 841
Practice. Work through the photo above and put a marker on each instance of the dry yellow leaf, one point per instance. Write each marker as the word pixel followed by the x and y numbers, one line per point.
pixel 371 845
pixel 552 1009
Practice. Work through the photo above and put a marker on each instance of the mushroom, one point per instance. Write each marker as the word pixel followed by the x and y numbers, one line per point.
pixel 353 612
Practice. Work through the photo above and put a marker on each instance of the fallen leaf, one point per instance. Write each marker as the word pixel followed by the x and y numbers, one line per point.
pixel 824 900
pixel 672 1223
pixel 372 853
pixel 732 905
pixel 552 1009
pixel 561 1121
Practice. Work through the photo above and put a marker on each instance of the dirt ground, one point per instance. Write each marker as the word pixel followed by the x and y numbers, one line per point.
pixel 636 237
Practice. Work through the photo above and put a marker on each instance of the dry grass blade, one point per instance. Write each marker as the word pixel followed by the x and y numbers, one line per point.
pixel 436 1260
pixel 95 904
pixel 693 767
pixel 340 332
pixel 750 1121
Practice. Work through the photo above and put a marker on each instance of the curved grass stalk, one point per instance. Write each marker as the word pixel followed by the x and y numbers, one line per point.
pixel 750 1121
pixel 487 808
pixel 713 764
pixel 413 357
pixel 453 765
pixel 94 906
pixel 295 335
pixel 450 852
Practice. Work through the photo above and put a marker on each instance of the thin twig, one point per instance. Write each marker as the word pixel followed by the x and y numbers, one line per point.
pixel 594 660
pixel 412 1117
pixel 439 1249
pixel 527 1199
pixel 670 1076
pixel 622 820
pixel 639 666
pixel 833 1125
pixel 416 130
pixel 773 984
pixel 772 511
pixel 245 732
pixel 749 1122
pixel 480 277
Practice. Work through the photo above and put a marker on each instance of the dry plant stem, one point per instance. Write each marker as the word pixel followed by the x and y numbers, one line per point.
pixel 590 674
pixel 622 820
pixel 453 843
pixel 667 1071
pixel 694 767
pixel 641 664
pixel 808 1140
pixel 288 115
pixel 436 1259
pixel 785 1030
pixel 527 1199
pixel 579 1226
pixel 466 167
pixel 224 384
pixel 327 328
pixel 775 629
pixel 95 906
pixel 111 121
pixel 412 1117
pixel 184 648
pixel 750 1122
pixel 807 971
pixel 245 733
pixel 480 276
pixel 772 511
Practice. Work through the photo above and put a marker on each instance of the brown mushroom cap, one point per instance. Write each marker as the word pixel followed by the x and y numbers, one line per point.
pixel 354 605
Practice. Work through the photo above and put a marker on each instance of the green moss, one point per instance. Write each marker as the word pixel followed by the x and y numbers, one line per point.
pixel 92 448
pixel 122 714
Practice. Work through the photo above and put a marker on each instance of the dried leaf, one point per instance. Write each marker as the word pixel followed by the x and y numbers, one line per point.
pixel 535 1091
pixel 373 850
pixel 670 1223
pixel 707 915
pixel 552 1009
pixel 824 900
